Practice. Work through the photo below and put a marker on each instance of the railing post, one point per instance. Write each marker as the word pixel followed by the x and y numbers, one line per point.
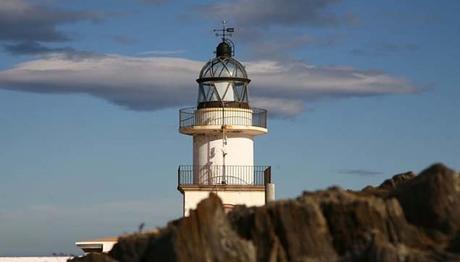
pixel 268 175
pixel 234 174
pixel 178 176
pixel 189 117
pixel 269 186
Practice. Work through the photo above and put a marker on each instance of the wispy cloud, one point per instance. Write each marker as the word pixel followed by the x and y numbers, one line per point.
pixel 266 13
pixel 24 23
pixel 275 29
pixel 162 52
pixel 153 83
pixel 32 48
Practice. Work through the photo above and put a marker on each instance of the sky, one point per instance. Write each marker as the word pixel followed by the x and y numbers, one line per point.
pixel 357 91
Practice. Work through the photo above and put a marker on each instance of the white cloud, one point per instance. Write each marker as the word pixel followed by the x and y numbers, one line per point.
pixel 25 20
pixel 277 29
pixel 152 83
pixel 162 52
pixel 279 106
pixel 273 12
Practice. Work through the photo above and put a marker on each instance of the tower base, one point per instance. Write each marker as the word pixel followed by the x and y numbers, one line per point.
pixel 231 195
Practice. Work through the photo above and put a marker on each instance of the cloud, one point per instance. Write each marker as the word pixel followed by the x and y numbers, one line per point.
pixel 162 52
pixel 135 83
pixel 360 172
pixel 154 83
pixel 266 13
pixel 32 47
pixel 23 22
pixel 280 107
pixel 275 46
pixel 275 29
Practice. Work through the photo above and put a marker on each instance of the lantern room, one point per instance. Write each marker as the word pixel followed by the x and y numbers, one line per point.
pixel 223 81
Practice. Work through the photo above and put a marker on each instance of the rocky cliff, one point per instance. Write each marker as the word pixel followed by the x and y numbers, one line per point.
pixel 407 218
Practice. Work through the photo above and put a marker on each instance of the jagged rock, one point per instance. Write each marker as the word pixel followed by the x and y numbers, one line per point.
pixel 354 220
pixel 396 181
pixel 277 234
pixel 431 200
pixel 384 189
pixel 205 235
pixel 406 218
pixel 454 245
pixel 133 247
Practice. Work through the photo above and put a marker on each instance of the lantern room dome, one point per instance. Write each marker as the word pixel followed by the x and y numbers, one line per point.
pixel 223 67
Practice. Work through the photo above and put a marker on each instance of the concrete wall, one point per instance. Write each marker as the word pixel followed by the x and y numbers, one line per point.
pixel 100 245
pixel 232 116
pixel 248 198
pixel 208 152
pixel 208 159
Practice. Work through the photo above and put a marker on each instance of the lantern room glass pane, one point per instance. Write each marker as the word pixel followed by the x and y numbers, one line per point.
pixel 228 91
pixel 240 91
pixel 225 91
pixel 207 93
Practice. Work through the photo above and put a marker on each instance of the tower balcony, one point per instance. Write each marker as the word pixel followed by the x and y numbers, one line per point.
pixel 251 121
pixel 218 176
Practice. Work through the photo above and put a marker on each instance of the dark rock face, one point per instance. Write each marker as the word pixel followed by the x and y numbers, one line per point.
pixel 205 235
pixel 406 218
pixel 432 199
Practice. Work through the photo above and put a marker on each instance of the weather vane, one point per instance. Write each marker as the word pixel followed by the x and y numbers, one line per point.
pixel 224 32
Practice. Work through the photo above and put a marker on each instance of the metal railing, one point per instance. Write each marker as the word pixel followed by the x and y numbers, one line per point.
pixel 223 175
pixel 189 117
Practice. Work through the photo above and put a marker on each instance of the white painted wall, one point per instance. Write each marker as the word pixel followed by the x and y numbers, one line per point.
pixel 248 198
pixel 208 149
pixel 208 152
pixel 232 116
pixel 106 245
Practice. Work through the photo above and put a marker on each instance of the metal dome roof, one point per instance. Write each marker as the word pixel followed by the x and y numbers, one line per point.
pixel 223 67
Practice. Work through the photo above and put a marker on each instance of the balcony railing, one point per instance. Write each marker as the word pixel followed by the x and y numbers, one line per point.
pixel 189 117
pixel 223 175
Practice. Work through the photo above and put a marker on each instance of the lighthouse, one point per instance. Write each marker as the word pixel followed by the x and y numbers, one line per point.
pixel 223 126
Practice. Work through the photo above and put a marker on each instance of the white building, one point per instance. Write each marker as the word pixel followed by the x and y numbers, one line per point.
pixel 223 127
pixel 97 245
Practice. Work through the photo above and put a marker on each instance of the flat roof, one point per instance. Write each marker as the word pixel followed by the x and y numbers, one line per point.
pixel 103 239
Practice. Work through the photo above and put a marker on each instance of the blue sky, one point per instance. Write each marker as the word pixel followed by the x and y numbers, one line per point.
pixel 90 91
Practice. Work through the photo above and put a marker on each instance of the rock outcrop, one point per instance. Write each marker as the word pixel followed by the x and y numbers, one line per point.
pixel 406 218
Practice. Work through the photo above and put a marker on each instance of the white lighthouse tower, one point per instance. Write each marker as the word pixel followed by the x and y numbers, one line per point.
pixel 223 127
